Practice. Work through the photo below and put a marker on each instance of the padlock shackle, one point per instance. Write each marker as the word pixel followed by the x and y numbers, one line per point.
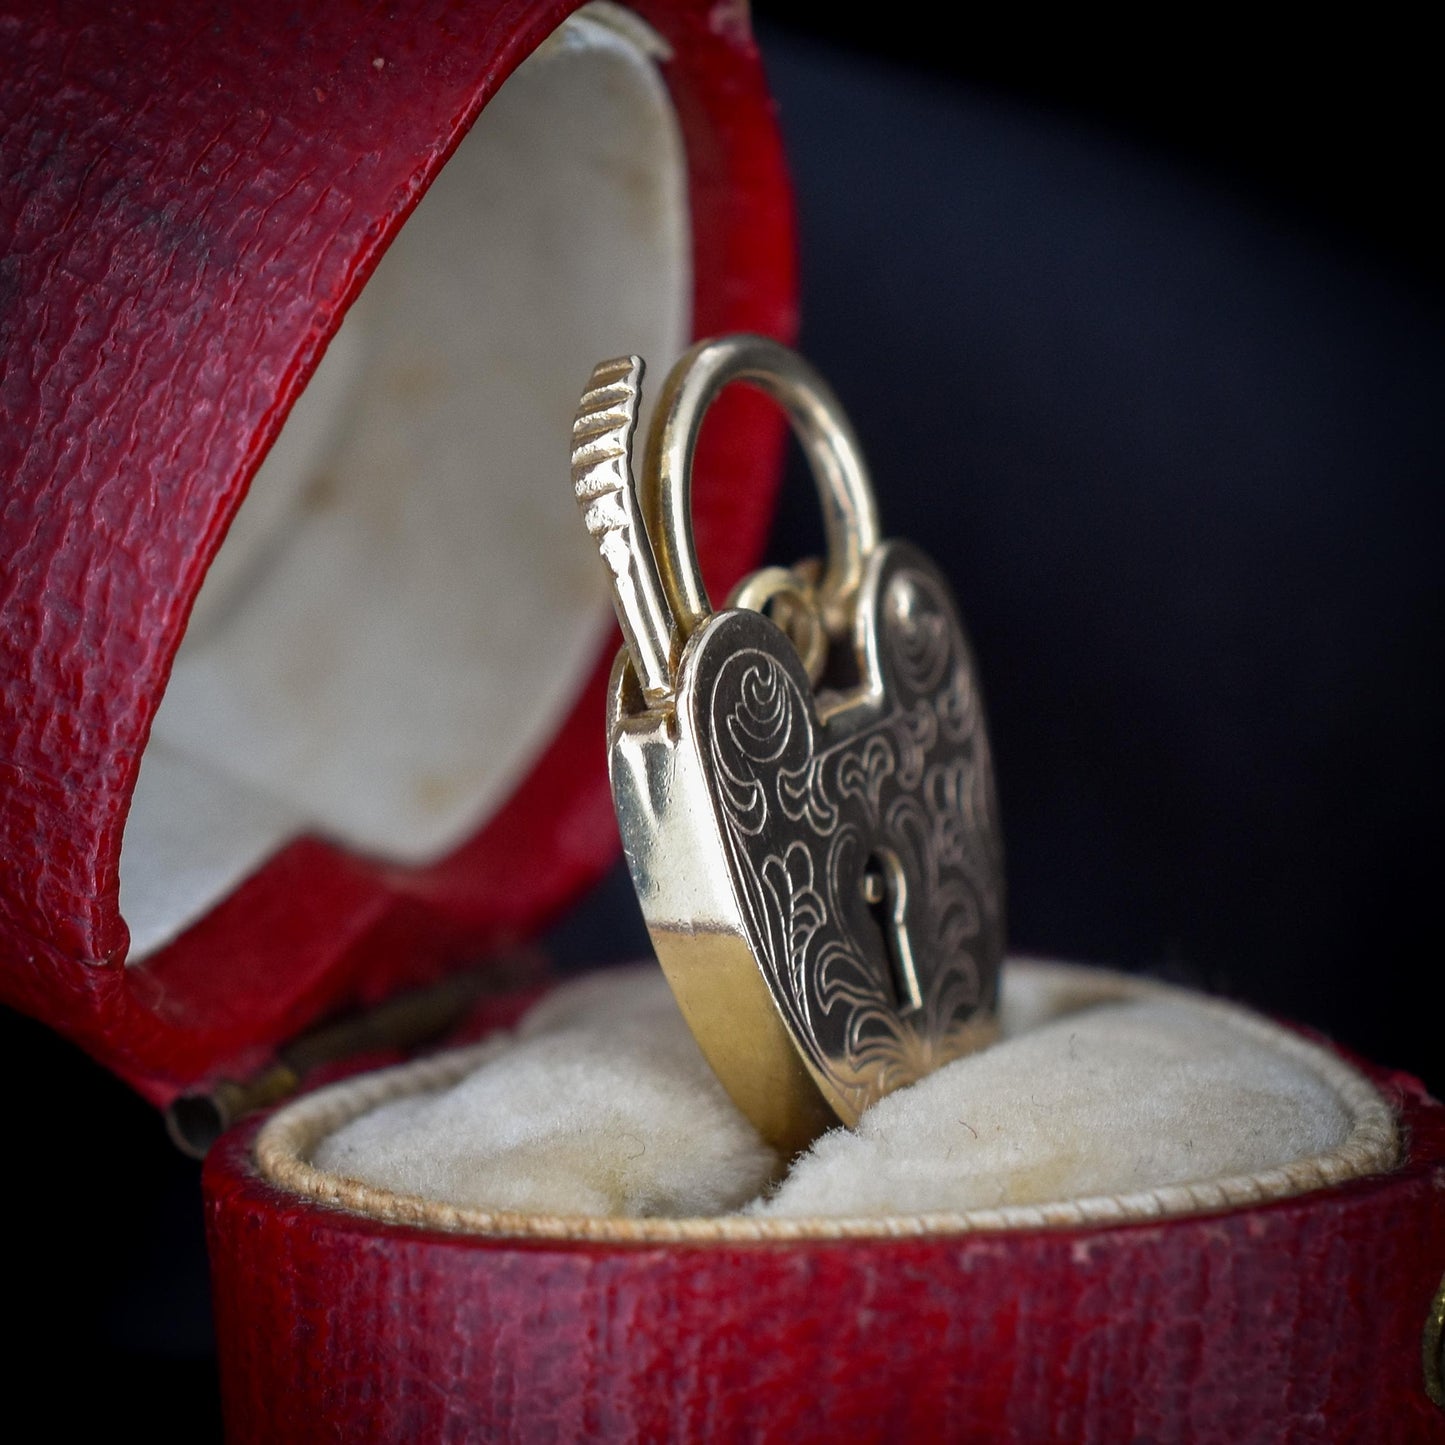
pixel 850 514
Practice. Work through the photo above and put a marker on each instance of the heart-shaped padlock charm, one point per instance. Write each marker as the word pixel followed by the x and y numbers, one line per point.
pixel 806 800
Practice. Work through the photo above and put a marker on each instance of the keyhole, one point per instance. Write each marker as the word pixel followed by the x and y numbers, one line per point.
pixel 885 891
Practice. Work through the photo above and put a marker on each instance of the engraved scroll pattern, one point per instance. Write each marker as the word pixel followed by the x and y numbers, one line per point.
pixel 803 806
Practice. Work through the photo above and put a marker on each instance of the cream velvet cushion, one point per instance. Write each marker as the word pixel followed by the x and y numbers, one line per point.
pixel 1107 1098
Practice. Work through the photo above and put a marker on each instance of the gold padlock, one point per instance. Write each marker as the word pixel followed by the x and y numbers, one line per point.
pixel 806 798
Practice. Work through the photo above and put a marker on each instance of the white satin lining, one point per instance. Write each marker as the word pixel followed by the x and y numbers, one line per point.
pixel 406 602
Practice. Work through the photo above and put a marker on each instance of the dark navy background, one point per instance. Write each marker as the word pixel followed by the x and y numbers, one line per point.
pixel 1149 357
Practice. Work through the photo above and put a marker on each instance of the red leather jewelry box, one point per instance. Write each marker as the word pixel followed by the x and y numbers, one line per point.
pixel 192 885
pixel 204 196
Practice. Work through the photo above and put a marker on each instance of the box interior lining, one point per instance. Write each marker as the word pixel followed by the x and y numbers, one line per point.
pixel 405 602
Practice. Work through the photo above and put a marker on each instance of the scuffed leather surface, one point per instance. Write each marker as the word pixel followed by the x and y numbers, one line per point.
pixel 192 195
pixel 1298 1321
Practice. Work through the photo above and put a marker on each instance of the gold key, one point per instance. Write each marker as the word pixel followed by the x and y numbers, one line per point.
pixel 803 780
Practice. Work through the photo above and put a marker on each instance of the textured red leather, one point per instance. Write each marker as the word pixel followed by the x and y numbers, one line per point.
pixel 190 197
pixel 1297 1321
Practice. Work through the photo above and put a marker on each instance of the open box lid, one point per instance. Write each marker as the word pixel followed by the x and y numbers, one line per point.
pixel 380 754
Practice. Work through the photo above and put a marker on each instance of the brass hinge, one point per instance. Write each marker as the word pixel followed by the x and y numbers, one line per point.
pixel 408 1021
